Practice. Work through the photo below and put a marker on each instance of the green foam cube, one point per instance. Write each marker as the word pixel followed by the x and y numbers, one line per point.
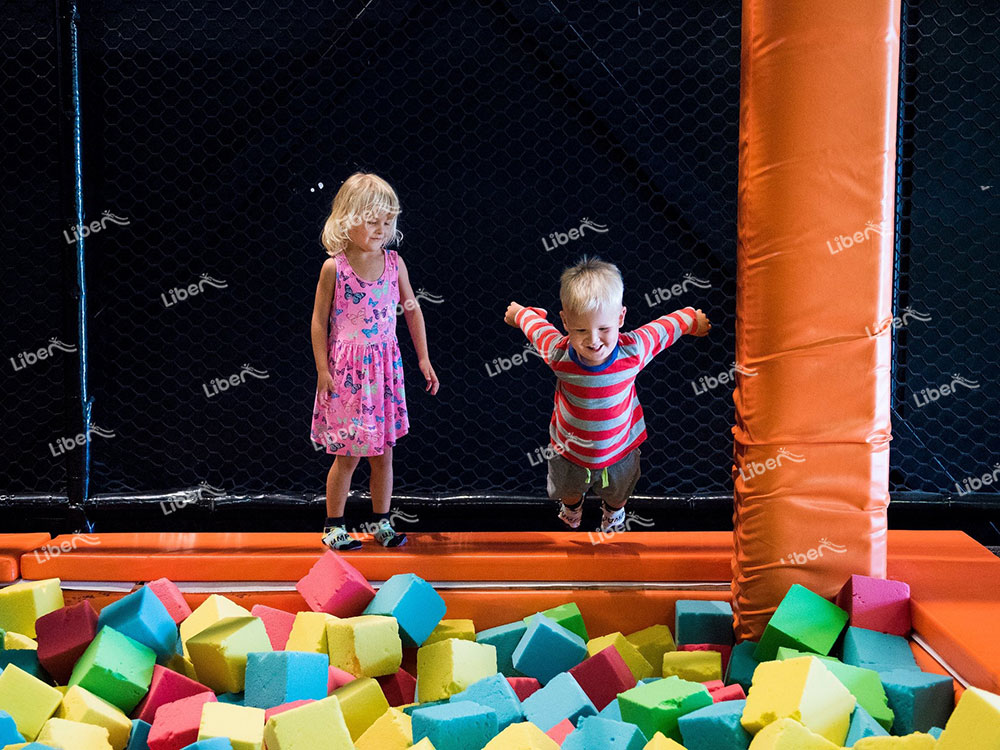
pixel 116 668
pixel 656 706
pixel 804 621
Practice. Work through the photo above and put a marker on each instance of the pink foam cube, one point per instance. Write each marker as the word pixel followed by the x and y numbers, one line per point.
pixel 338 678
pixel 277 623
pixel 335 586
pixel 175 725
pixel 63 636
pixel 728 693
pixel 269 712
pixel 877 604
pixel 399 688
pixel 168 593
pixel 603 676
pixel 561 730
pixel 167 686
pixel 524 686
pixel 721 648
pixel 713 685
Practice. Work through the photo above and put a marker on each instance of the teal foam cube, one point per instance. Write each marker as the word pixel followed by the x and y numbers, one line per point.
pixel 863 725
pixel 596 733
pixel 496 693
pixel 215 743
pixel 455 726
pixel 742 663
pixel 697 621
pixel 504 638
pixel 715 726
pixel 561 698
pixel 417 607
pixel 879 651
pixel 137 738
pixel 803 620
pixel 546 649
pixel 920 700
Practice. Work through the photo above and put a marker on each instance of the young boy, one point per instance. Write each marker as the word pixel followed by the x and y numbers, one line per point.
pixel 597 423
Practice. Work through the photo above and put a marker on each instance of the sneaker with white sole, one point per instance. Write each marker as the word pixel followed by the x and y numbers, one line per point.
pixel 571 516
pixel 337 539
pixel 613 521
pixel 388 536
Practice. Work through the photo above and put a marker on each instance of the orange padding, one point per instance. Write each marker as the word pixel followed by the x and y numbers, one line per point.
pixel 12 546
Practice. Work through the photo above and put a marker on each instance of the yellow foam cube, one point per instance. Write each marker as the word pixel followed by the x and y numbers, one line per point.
pixel 448 667
pixel 23 603
pixel 653 642
pixel 975 722
pixel 662 742
pixel 28 700
pixel 219 652
pixel 81 705
pixel 18 642
pixel 914 741
pixel 314 725
pixel 522 736
pixel 209 612
pixel 462 629
pixel 635 661
pixel 788 734
pixel 365 646
pixel 244 726
pixel 696 666
pixel 424 744
pixel 802 689
pixel 390 731
pixel 64 734
pixel 309 632
pixel 182 665
pixel 362 702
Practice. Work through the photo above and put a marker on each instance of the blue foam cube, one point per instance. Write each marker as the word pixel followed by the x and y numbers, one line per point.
pixel 561 698
pixel 277 677
pixel 235 699
pixel 547 648
pixel 595 733
pixel 505 639
pixel 496 693
pixel 879 651
pixel 8 730
pixel 697 621
pixel 919 700
pixel 935 732
pixel 863 725
pixel 215 743
pixel 461 725
pixel 717 725
pixel 38 746
pixel 137 738
pixel 742 663
pixel 143 618
pixel 417 607
pixel 408 710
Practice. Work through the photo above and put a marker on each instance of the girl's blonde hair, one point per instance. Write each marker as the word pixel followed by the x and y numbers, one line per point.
pixel 361 197
pixel 590 285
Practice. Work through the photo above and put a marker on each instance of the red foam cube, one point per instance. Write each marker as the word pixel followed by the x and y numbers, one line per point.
pixel 713 685
pixel 721 648
pixel 524 686
pixel 560 731
pixel 877 604
pixel 335 586
pixel 175 725
pixel 728 693
pixel 171 597
pixel 167 686
pixel 399 688
pixel 277 623
pixel 603 676
pixel 269 712
pixel 338 678
pixel 63 636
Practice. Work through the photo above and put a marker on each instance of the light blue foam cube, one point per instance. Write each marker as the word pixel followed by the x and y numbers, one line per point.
pixel 277 677
pixel 879 651
pixel 505 639
pixel 611 711
pixel 697 621
pixel 863 725
pixel 496 693
pixel 143 618
pixel 8 730
pixel 935 732
pixel 919 700
pixel 595 733
pixel 417 607
pixel 215 743
pixel 717 725
pixel 461 725
pixel 561 698
pixel 547 648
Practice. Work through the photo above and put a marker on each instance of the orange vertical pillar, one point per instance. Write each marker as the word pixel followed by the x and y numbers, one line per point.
pixel 817 152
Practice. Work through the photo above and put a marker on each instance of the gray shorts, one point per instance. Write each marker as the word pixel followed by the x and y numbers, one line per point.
pixel 566 479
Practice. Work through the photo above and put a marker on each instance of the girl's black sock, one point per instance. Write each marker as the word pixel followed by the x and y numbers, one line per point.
pixel 380 517
pixel 331 521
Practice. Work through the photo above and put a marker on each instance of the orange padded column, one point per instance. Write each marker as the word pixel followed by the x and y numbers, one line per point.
pixel 814 281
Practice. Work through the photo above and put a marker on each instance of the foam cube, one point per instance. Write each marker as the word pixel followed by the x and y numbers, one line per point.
pixel 975 722
pixel 560 698
pixel 505 639
pixel 408 710
pixel 462 629
pixel 594 733
pixel 175 724
pixel 559 732
pixel 801 688
pixel 143 618
pixel 171 598
pixel 361 702
pixel 877 604
pixel 116 668
pixel 546 649
pixel 338 678
pixel 244 726
pixel 865 685
pixel 139 735
pixel 277 622
pixel 698 621
pixel 524 686
pixel 399 688
pixel 334 586
pixel 417 607
pixel 788 734
pixel 523 736
pixel 24 602
pixel 275 710
pixel 661 742
pixel 803 620
pixel 456 726
pixel 611 711
pixel 448 667
pixel 214 743
pixel 233 699
pixel 696 666
pixel 63 635
pixel 390 731
pixel 276 677
pixel 714 726
pixel 62 733
pixel 653 642
pixel 219 652
pixel 568 615
pixel 656 706
pixel 913 741
pixel 728 693
pixel 25 659
pixel 640 668
pixel 8 730
pixel 83 706
pixel 603 676
pixel 742 664
pixel 166 686
pixel 878 651
pixel 713 685
pixel 308 632
pixel 424 744
pixel 919 700
pixel 863 725
pixel 315 725
pixel 214 608
pixel 496 693
pixel 723 650
pixel 16 642
pixel 365 646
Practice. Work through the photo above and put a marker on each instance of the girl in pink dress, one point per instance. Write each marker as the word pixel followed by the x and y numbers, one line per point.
pixel 360 405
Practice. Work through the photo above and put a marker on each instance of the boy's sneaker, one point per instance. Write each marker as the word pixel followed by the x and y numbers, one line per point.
pixel 337 539
pixel 388 536
pixel 571 516
pixel 612 521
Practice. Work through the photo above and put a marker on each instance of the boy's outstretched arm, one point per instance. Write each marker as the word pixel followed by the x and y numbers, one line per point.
pixel 531 320
pixel 658 334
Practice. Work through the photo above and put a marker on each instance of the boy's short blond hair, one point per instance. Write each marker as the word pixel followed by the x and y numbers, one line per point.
pixel 590 285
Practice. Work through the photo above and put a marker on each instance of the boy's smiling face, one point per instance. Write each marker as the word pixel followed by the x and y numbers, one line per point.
pixel 594 335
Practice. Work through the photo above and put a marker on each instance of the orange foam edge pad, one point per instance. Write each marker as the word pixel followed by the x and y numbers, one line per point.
pixel 12 547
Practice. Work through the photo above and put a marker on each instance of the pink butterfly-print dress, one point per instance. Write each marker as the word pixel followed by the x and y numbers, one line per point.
pixel 367 410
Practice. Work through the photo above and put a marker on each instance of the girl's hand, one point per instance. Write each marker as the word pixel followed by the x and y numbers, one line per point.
pixel 430 376
pixel 702 324
pixel 512 310
pixel 324 386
